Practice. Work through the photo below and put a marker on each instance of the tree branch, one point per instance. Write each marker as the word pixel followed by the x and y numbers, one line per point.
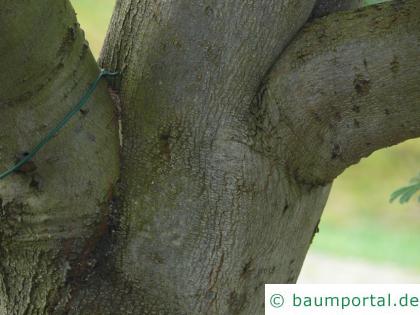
pixel 52 216
pixel 348 85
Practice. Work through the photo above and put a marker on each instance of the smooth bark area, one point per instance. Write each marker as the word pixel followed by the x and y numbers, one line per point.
pixel 351 91
pixel 208 220
pixel 53 216
pixel 235 122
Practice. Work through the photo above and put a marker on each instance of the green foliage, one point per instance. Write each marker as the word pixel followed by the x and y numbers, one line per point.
pixel 407 192
pixel 360 222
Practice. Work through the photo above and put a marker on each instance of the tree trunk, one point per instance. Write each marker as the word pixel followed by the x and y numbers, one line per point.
pixel 230 142
pixel 52 218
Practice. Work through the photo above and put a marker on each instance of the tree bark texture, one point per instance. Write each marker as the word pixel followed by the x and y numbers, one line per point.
pixel 343 92
pixel 236 118
pixel 50 218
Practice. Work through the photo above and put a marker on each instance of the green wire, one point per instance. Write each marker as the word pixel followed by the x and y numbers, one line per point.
pixel 59 126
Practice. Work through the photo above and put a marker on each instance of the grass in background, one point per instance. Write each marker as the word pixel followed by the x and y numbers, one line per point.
pixel 358 220
pixel 94 17
pixel 369 2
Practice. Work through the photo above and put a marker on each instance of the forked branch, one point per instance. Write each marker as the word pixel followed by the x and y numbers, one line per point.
pixel 348 85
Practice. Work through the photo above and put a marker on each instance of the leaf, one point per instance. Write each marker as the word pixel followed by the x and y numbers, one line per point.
pixel 404 194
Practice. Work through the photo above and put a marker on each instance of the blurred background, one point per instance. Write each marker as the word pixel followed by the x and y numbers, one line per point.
pixel 363 238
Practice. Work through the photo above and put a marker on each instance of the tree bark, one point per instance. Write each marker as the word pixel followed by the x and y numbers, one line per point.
pixel 208 220
pixel 351 91
pixel 50 218
pixel 230 142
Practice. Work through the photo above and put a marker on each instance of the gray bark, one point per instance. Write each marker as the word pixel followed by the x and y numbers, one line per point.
pixel 51 217
pixel 209 220
pixel 348 93
pixel 227 156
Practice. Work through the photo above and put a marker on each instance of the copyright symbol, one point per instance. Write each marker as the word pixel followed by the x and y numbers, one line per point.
pixel 277 300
